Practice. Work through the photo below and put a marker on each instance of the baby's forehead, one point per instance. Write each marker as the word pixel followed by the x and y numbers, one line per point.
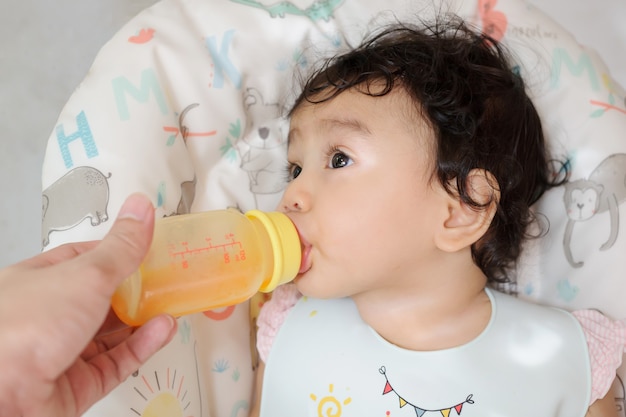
pixel 372 91
pixel 362 113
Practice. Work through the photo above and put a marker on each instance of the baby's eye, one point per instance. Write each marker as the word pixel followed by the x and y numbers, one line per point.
pixel 340 160
pixel 293 171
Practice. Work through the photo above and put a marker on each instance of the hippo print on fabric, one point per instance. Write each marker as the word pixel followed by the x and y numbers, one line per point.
pixel 82 192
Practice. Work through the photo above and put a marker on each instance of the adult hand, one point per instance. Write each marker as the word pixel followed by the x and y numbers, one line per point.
pixel 58 354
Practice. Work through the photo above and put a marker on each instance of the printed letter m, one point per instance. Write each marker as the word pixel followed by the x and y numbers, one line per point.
pixel 123 87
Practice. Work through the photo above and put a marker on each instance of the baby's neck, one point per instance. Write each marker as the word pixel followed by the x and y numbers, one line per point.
pixel 440 318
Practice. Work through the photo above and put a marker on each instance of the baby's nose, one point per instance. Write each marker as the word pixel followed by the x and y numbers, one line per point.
pixel 295 199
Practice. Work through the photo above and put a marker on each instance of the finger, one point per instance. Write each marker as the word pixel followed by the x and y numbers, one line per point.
pixel 106 342
pixel 58 254
pixel 121 251
pixel 111 324
pixel 118 363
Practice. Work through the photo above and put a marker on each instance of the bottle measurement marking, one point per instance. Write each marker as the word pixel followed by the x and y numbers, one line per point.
pixel 230 243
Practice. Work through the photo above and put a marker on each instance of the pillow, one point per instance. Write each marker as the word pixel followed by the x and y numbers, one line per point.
pixel 579 262
pixel 184 104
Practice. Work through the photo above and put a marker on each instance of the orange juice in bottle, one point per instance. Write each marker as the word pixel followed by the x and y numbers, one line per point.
pixel 203 261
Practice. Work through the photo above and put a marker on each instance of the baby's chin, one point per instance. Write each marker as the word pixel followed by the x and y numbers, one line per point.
pixel 301 284
pixel 311 287
pixel 305 283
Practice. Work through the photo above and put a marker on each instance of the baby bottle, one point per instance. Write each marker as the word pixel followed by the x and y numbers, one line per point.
pixel 203 261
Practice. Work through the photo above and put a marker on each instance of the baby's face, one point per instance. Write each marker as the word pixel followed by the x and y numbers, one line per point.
pixel 360 194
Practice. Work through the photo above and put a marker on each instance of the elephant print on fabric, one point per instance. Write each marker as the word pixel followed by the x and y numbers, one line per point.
pixel 81 193
pixel 604 190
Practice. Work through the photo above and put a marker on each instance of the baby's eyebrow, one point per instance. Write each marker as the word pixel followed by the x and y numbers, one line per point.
pixel 347 123
pixel 328 124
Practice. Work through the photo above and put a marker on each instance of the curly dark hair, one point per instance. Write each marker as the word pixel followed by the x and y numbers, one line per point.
pixel 463 83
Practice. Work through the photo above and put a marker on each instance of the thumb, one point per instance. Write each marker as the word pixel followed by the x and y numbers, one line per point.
pixel 121 251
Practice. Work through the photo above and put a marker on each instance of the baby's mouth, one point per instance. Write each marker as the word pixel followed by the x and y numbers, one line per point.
pixel 305 263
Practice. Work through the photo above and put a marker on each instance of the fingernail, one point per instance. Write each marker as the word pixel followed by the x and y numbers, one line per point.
pixel 136 207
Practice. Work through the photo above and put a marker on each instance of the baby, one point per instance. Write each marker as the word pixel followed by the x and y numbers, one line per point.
pixel 414 160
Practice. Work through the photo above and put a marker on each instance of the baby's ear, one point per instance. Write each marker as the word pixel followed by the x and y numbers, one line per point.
pixel 465 224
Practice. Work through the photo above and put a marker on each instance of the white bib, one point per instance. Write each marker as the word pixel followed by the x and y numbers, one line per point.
pixel 529 361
